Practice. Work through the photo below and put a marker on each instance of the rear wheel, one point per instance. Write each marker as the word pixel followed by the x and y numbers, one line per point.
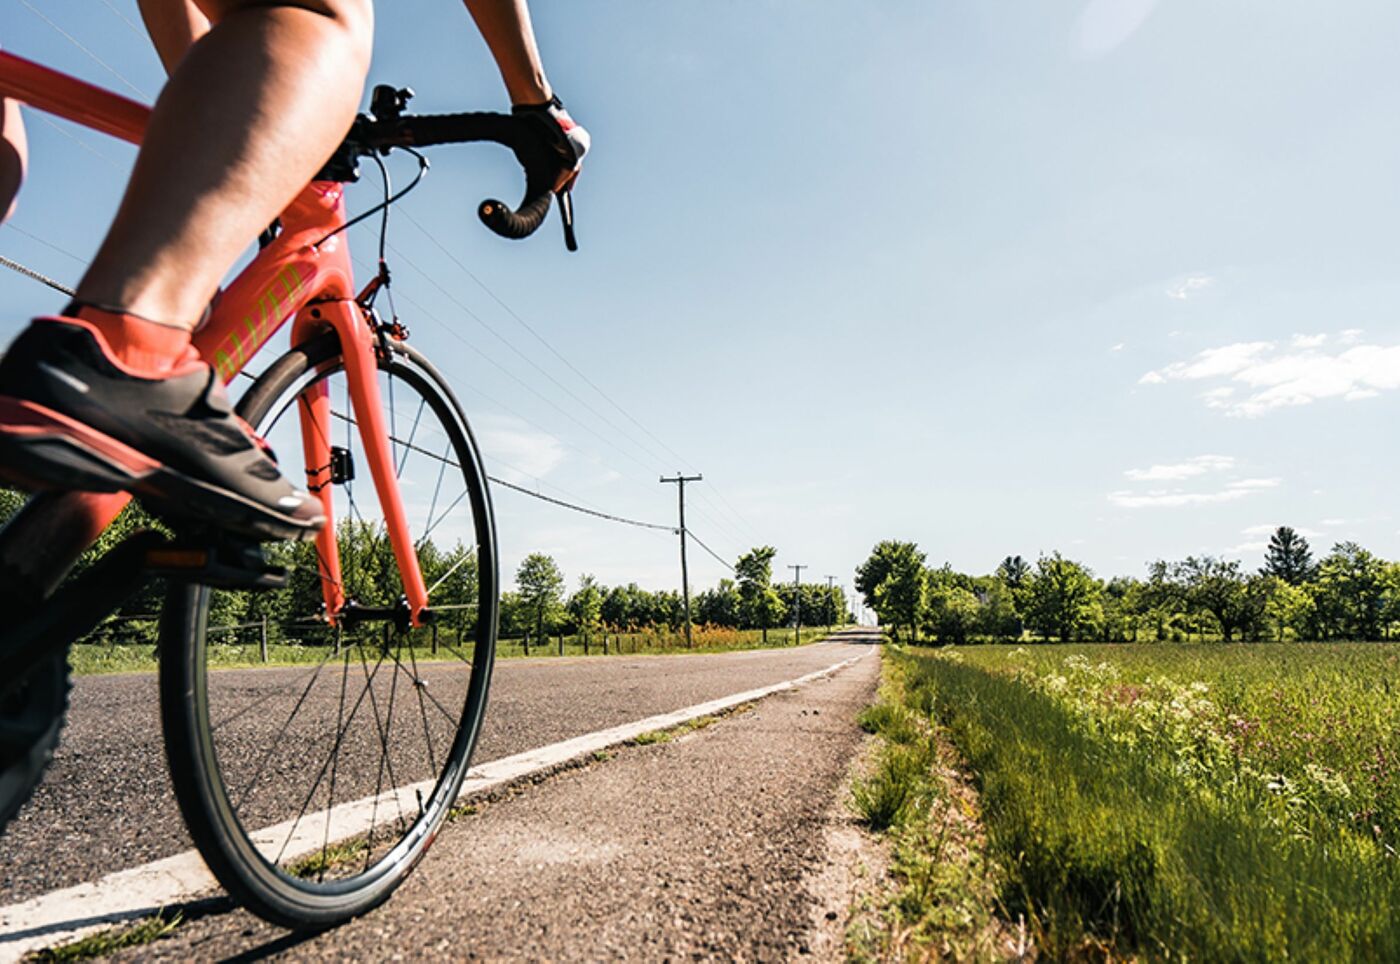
pixel 314 787
pixel 31 716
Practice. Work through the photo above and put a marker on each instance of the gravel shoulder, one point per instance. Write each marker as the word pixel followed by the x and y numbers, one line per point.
pixel 712 845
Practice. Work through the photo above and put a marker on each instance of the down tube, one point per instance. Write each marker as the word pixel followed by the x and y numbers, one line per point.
pixel 362 374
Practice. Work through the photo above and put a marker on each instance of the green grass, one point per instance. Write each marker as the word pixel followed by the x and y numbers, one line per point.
pixel 89 659
pixel 943 904
pixel 110 940
pixel 1185 802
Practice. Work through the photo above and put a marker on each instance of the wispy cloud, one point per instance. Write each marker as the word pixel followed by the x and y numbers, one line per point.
pixel 1177 496
pixel 1189 287
pixel 1175 472
pixel 515 449
pixel 1173 498
pixel 1271 376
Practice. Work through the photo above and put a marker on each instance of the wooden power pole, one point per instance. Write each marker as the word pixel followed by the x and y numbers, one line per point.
pixel 680 480
pixel 830 602
pixel 797 602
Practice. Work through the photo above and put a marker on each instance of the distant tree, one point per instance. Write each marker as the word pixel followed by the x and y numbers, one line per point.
pixel 721 606
pixel 895 584
pixel 1014 571
pixel 950 611
pixel 1288 557
pixel 1219 587
pixel 761 606
pixel 998 615
pixel 541 587
pixel 1062 599
pixel 1350 593
pixel 586 607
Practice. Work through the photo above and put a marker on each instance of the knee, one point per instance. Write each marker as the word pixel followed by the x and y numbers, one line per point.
pixel 13 156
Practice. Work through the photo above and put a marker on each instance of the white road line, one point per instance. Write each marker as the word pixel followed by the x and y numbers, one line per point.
pixel 73 912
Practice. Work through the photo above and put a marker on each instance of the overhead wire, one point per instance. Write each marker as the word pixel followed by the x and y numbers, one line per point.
pixel 91 56
pixel 718 558
pixel 514 315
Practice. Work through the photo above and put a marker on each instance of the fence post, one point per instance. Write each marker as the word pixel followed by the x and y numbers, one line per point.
pixel 435 641
pixel 561 642
pixel 527 642
pixel 585 645
pixel 262 640
pixel 605 644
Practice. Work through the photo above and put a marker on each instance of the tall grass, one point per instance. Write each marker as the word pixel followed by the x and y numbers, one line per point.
pixel 1111 840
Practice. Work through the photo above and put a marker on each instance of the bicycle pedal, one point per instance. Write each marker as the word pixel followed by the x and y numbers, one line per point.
pixel 224 564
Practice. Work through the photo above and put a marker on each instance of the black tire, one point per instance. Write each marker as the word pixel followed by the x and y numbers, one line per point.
pixel 32 711
pixel 204 754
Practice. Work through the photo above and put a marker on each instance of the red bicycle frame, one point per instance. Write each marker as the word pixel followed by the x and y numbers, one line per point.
pixel 303 274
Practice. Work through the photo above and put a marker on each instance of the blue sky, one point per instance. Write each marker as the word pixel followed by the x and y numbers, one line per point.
pixel 1111 277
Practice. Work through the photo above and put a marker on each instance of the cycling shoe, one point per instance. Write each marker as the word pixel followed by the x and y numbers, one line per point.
pixel 73 417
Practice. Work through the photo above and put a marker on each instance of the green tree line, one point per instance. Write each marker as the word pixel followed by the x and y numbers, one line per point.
pixel 1349 594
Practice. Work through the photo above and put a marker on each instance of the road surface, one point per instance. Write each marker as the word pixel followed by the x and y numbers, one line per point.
pixel 693 847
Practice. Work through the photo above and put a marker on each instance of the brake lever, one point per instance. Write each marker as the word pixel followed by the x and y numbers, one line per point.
pixel 565 197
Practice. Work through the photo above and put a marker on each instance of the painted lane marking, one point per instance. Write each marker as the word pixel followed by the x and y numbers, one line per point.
pixel 73 912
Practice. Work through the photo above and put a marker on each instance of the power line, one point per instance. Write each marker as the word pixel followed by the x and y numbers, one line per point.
pixel 578 508
pixel 451 256
pixel 717 557
pixel 75 42
pixel 123 18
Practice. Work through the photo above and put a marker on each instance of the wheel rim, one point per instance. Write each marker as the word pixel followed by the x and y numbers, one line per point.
pixel 337 772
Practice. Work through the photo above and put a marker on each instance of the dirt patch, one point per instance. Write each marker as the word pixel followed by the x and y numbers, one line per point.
pixel 854 879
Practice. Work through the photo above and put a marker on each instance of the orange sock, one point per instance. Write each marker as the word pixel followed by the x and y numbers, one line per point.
pixel 145 348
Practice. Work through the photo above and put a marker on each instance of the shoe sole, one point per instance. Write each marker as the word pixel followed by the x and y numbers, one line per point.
pixel 41 448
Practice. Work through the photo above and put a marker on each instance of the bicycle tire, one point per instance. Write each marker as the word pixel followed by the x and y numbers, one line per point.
pixel 260 884
pixel 32 713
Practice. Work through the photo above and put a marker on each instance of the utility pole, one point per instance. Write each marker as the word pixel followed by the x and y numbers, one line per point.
pixel 830 601
pixel 680 480
pixel 797 602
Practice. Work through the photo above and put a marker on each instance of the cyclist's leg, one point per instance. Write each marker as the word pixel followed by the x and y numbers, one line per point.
pixel 111 397
pixel 173 28
pixel 13 156
pixel 250 114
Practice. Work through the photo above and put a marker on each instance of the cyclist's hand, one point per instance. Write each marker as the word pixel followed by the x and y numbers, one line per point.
pixel 566 139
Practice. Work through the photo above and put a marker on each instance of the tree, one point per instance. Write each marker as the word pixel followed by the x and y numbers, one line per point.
pixel 894 583
pixel 998 615
pixel 760 605
pixel 586 606
pixel 1288 557
pixel 1219 587
pixel 950 612
pixel 1350 593
pixel 1062 597
pixel 541 587
pixel 1014 571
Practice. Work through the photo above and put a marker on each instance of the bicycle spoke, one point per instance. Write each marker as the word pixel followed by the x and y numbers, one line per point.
pixel 277 741
pixel 335 768
pixel 412 434
pixel 321 774
pixel 419 685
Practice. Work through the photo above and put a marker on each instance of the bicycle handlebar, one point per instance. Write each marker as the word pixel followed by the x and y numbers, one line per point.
pixel 388 128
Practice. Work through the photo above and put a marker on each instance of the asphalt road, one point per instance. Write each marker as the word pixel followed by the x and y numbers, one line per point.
pixel 106 803
pixel 713 846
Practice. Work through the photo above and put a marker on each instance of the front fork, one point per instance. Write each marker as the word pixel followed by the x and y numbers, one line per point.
pixel 360 349
pixel 41 543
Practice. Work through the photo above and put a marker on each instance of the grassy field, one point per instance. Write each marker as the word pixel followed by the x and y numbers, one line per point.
pixel 1173 801
pixel 92 658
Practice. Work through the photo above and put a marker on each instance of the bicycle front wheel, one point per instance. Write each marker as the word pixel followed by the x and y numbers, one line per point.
pixel 312 787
